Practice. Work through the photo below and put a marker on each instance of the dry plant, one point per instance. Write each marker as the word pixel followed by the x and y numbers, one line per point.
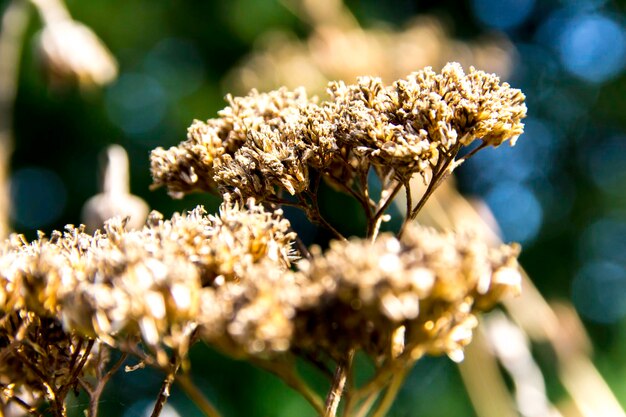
pixel 75 306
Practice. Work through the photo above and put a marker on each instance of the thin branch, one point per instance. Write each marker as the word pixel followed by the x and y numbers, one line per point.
pixel 376 219
pixel 316 362
pixel 78 368
pixel 314 214
pixel 472 153
pixel 12 31
pixel 336 389
pixel 304 251
pixel 391 393
pixel 409 199
pixel 363 200
pixel 292 379
pixel 195 395
pixel 366 406
pixel 165 391
pixel 96 392
pixel 440 173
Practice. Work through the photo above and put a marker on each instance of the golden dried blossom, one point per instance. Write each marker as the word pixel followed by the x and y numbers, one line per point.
pixel 427 286
pixel 263 143
pixel 191 165
pixel 253 316
pixel 121 282
pixel 412 296
pixel 454 107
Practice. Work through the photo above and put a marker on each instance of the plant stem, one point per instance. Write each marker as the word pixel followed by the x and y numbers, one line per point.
pixel 440 173
pixel 28 408
pixel 367 404
pixel 376 221
pixel 285 371
pixel 164 392
pixel 391 393
pixel 12 31
pixel 314 214
pixel 96 392
pixel 336 390
pixel 195 395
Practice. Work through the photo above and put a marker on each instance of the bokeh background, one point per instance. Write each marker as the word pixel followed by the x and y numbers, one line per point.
pixel 561 192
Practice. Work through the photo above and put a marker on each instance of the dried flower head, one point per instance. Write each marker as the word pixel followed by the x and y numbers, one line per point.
pixel 263 143
pixel 427 284
pixel 253 316
pixel 123 282
pixel 453 106
pixel 192 165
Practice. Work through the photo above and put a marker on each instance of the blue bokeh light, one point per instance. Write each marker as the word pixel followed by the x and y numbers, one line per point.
pixel 590 46
pixel 38 197
pixel 136 103
pixel 502 14
pixel 604 239
pixel 606 164
pixel 177 65
pixel 532 158
pixel 599 291
pixel 517 210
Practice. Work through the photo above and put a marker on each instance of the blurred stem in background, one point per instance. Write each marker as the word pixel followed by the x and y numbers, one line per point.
pixel 14 24
pixel 507 339
pixel 69 53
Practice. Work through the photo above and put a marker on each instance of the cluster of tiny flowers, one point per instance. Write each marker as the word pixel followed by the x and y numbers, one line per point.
pixel 268 142
pixel 119 283
pixel 415 295
pixel 244 135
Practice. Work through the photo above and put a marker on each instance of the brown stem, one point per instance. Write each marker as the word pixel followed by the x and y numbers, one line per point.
pixel 285 371
pixel 96 392
pixel 304 251
pixel 83 359
pixel 366 406
pixel 409 199
pixel 195 395
pixel 164 392
pixel 336 390
pixel 314 214
pixel 315 361
pixel 391 393
pixel 361 198
pixel 472 153
pixel 440 173
pixel 376 219
pixel 12 31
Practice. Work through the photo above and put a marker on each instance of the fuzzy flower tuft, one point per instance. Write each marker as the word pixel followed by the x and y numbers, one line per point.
pixel 264 143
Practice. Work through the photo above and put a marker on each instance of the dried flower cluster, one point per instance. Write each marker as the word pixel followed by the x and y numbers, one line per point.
pixel 409 296
pixel 266 142
pixel 232 279
pixel 119 281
